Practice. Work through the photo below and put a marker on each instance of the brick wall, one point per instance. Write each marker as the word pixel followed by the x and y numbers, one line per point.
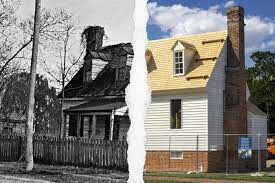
pixel 211 161
pixel 207 161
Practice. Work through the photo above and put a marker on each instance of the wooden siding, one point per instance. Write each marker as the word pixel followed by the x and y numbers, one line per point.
pixel 124 126
pixel 97 66
pixel 194 121
pixel 215 88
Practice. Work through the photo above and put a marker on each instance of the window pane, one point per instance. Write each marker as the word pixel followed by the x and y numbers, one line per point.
pixel 176 54
pixel 175 114
pixel 180 54
pixel 176 154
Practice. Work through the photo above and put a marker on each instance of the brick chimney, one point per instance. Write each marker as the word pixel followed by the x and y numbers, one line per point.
pixel 235 119
pixel 93 36
pixel 235 114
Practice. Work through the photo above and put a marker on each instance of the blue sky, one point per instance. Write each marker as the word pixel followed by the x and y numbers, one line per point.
pixel 182 17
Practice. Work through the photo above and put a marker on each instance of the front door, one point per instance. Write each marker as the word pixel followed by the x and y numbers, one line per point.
pixel 73 125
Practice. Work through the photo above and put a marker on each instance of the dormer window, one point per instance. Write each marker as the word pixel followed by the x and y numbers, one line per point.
pixel 183 54
pixel 178 62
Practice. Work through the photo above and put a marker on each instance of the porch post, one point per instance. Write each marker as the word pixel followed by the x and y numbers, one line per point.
pixel 63 125
pixel 112 119
pixel 94 126
pixel 78 125
pixel 66 125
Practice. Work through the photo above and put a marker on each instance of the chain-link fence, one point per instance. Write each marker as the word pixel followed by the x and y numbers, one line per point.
pixel 228 153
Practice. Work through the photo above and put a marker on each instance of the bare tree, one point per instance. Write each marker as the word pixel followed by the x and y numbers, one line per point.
pixel 10 45
pixel 16 36
pixel 65 58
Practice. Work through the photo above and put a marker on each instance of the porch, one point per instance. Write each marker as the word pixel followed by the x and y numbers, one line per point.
pixel 100 120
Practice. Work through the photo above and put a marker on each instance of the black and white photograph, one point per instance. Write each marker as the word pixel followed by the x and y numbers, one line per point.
pixel 64 67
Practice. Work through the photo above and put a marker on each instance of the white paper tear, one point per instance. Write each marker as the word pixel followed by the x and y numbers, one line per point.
pixel 138 95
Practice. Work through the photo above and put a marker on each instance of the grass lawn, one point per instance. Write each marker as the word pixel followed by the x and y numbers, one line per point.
pixel 221 176
pixel 163 181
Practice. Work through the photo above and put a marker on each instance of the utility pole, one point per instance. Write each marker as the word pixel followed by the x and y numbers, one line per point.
pixel 30 116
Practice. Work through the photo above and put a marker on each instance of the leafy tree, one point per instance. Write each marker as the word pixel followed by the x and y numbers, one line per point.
pixel 261 82
pixel 47 105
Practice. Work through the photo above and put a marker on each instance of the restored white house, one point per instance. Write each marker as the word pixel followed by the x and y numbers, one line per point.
pixel 199 93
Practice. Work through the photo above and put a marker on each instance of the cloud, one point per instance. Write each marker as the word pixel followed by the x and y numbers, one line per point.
pixel 229 4
pixel 182 20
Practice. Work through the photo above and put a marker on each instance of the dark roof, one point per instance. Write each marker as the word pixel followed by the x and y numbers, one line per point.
pixel 101 55
pixel 104 84
pixel 117 47
pixel 254 109
pixel 106 105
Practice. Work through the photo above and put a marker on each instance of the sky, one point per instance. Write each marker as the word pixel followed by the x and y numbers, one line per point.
pixel 170 18
pixel 114 15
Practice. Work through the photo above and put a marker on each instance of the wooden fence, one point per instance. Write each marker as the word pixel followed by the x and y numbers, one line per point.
pixel 67 151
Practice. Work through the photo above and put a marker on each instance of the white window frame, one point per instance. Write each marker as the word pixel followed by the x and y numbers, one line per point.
pixel 182 62
pixel 181 157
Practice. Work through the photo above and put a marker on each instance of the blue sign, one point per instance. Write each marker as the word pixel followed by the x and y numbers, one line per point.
pixel 245 148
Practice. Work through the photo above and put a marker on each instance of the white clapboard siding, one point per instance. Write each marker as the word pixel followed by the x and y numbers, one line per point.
pixel 257 124
pixel 215 89
pixel 194 121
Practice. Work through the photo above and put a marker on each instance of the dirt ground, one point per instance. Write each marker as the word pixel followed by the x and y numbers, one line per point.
pixel 11 172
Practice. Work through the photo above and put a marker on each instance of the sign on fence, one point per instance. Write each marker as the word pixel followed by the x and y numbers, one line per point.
pixel 245 148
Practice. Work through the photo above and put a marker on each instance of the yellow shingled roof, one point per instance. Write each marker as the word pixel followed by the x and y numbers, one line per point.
pixel 160 65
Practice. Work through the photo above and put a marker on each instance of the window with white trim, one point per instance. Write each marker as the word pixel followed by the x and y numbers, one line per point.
pixel 176 155
pixel 178 62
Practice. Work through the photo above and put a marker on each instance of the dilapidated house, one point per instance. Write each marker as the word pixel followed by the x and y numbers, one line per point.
pixel 94 104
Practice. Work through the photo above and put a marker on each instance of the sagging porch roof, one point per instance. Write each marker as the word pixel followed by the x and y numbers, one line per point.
pixel 97 106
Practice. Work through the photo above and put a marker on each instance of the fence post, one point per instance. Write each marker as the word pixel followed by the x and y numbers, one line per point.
pixel 259 153
pixel 227 154
pixel 197 154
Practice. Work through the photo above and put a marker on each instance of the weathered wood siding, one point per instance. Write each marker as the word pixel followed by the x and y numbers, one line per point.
pixel 194 121
pixel 97 66
pixel 124 126
pixel 215 89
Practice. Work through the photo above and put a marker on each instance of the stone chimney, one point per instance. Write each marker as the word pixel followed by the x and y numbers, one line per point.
pixel 94 37
pixel 235 113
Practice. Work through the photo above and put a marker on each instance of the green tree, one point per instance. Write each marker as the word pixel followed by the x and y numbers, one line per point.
pixel 261 82
pixel 47 105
